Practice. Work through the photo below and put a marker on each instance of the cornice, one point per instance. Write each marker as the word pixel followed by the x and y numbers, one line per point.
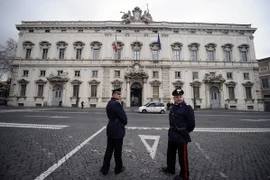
pixel 163 25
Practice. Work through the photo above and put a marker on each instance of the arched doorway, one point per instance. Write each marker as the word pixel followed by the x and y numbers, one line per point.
pixel 214 98
pixel 136 94
pixel 57 95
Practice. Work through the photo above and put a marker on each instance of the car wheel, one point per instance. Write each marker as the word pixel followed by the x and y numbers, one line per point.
pixel 144 111
pixel 162 112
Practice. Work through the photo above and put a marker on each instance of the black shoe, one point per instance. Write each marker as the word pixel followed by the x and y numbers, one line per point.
pixel 103 171
pixel 119 171
pixel 166 170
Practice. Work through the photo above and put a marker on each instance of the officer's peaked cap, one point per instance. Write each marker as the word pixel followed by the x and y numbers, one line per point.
pixel 118 90
pixel 178 92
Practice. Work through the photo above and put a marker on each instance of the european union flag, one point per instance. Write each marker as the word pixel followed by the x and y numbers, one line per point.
pixel 159 43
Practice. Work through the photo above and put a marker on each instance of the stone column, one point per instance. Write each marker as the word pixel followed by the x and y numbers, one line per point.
pixel 144 91
pixel 128 93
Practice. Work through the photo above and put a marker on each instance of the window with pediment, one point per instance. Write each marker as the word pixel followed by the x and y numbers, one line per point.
pixel 40 87
pixel 248 89
pixel 96 46
pixel 23 84
pixel 231 89
pixel 176 49
pixel 28 46
pixel 227 50
pixel 44 47
pixel 243 52
pixel 211 51
pixel 61 47
pixel 78 47
pixel 155 50
pixel 194 51
pixel 136 47
pixel 117 49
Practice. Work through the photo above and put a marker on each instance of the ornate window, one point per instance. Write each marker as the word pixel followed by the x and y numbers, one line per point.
pixel 211 51
pixel 61 47
pixel 94 87
pixel 243 52
pixel 117 49
pixel 44 47
pixel 23 83
pixel 40 87
pixel 231 89
pixel 78 47
pixel 136 47
pixel 154 48
pixel 96 46
pixel 196 89
pixel 248 89
pixel 76 87
pixel 28 46
pixel 93 90
pixel 176 49
pixel 227 50
pixel 155 84
pixel 194 49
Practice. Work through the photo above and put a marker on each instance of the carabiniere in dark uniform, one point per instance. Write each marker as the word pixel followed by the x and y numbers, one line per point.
pixel 182 122
pixel 115 133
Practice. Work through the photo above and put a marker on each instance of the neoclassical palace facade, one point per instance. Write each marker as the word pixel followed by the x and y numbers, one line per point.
pixel 75 61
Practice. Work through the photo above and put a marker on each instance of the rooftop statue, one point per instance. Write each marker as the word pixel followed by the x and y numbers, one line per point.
pixel 137 16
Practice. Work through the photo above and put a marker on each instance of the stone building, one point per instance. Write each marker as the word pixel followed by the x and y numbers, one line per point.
pixel 264 72
pixel 74 61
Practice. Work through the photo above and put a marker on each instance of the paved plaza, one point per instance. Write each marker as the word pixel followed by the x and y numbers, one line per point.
pixel 69 143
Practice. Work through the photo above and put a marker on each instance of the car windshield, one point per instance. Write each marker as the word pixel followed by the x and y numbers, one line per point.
pixel 146 104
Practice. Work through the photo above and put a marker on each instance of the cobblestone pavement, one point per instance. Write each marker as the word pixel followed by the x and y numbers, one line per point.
pixel 225 145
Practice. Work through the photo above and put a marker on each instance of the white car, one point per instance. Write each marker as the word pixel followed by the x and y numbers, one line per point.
pixel 153 107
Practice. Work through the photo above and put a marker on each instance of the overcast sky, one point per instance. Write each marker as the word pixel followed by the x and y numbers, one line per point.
pixel 215 11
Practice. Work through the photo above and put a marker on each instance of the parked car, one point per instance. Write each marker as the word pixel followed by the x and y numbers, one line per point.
pixel 153 107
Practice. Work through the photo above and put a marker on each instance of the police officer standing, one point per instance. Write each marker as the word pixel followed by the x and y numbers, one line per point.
pixel 182 122
pixel 115 133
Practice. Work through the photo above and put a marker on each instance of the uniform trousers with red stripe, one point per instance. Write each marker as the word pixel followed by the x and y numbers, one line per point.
pixel 173 147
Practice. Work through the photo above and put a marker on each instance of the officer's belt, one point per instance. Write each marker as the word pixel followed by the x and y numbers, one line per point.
pixel 181 131
pixel 114 120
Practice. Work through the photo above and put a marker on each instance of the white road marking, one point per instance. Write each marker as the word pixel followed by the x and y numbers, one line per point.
pixel 236 130
pixel 152 150
pixel 52 117
pixel 38 126
pixel 66 157
pixel 255 120
pixel 209 159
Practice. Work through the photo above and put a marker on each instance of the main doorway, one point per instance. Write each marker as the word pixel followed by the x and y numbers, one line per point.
pixel 136 94
pixel 57 95
pixel 214 98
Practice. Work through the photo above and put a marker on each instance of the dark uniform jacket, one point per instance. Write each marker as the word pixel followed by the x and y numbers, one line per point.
pixel 181 117
pixel 117 119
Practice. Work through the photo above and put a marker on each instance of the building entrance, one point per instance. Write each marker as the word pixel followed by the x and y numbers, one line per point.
pixel 136 94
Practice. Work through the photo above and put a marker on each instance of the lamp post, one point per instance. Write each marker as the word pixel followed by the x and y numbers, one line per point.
pixel 194 100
